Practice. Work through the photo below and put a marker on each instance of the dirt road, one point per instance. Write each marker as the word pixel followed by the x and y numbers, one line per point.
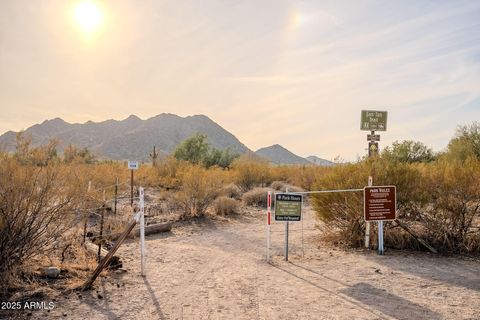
pixel 217 270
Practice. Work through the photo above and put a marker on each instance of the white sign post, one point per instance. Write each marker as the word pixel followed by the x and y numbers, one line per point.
pixel 269 219
pixel 132 165
pixel 142 229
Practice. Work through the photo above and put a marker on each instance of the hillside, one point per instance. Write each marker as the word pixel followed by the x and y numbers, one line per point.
pixel 279 155
pixel 131 138
pixel 319 161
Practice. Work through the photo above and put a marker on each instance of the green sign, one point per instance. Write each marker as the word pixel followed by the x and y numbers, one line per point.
pixel 374 120
pixel 288 207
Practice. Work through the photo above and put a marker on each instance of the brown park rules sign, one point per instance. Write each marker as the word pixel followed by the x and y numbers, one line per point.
pixel 380 203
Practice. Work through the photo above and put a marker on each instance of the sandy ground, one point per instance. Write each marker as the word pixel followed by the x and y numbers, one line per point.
pixel 217 270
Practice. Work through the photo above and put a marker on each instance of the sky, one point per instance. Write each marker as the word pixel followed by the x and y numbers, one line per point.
pixel 296 73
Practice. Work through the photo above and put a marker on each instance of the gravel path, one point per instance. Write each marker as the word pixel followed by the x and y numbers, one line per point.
pixel 217 270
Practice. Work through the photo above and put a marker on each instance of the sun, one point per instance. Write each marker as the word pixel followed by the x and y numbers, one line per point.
pixel 88 16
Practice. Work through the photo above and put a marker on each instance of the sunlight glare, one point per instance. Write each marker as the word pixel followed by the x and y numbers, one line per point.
pixel 88 16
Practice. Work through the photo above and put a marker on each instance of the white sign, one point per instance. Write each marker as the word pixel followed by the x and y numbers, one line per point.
pixel 133 165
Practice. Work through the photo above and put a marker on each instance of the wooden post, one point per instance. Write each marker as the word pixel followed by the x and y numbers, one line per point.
pixel 116 196
pixel 104 262
pixel 101 227
pixel 86 216
pixel 131 188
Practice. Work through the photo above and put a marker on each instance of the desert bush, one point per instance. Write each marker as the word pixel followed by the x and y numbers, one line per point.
pixel 465 143
pixel 452 211
pixel 251 171
pixel 278 185
pixel 224 206
pixel 439 201
pixel 166 173
pixel 256 197
pixel 36 209
pixel 231 190
pixel 197 150
pixel 42 155
pixel 199 188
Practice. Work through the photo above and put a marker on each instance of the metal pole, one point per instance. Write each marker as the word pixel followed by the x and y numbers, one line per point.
pixel 367 224
pixel 303 248
pixel 269 216
pixel 131 188
pixel 380 238
pixel 142 230
pixel 116 195
pixel 286 236
pixel 286 241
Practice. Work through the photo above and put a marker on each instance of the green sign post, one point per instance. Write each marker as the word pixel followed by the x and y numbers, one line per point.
pixel 288 207
pixel 373 120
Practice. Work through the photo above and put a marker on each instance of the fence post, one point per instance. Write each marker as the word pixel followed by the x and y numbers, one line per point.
pixel 131 187
pixel 142 229
pixel 86 215
pixel 269 217
pixel 116 196
pixel 286 236
pixel 367 224
pixel 101 228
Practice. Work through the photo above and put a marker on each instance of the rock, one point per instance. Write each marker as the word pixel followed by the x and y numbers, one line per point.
pixel 51 272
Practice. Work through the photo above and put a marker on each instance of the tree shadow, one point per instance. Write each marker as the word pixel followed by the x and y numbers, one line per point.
pixel 388 303
pixel 373 297
pixel 457 272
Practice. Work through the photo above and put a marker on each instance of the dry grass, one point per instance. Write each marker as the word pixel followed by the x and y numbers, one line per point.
pixel 256 197
pixel 225 206
pixel 232 191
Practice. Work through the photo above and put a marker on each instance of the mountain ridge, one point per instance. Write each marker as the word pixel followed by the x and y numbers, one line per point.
pixel 130 138
pixel 134 138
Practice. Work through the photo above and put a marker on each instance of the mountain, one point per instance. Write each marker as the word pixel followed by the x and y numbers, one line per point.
pixel 319 161
pixel 279 155
pixel 131 138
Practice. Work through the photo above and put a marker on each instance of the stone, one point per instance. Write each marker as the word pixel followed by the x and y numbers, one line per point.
pixel 51 272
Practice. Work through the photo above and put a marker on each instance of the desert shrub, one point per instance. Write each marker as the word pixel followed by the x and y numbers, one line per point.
pixel 197 150
pixel 341 212
pixel 231 190
pixel 438 201
pixel 80 155
pixel 256 197
pixel 224 206
pixel 199 188
pixel 409 151
pixel 282 186
pixel 42 155
pixel 251 171
pixel 452 212
pixel 465 143
pixel 278 185
pixel 166 173
pixel 36 209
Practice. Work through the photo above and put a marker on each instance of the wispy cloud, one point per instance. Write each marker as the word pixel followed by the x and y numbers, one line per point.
pixel 288 72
